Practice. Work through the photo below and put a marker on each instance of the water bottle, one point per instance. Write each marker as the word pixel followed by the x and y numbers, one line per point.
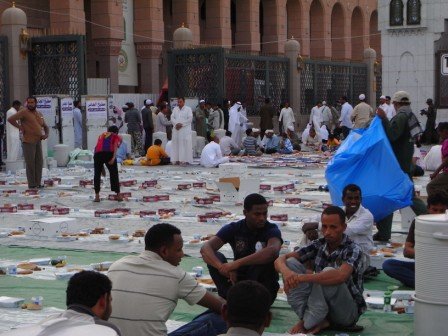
pixel 387 302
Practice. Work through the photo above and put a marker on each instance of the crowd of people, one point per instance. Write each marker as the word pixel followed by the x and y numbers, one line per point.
pixel 324 273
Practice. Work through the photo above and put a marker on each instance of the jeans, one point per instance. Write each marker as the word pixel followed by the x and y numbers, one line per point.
pixel 403 271
pixel 205 324
pixel 313 302
pixel 264 274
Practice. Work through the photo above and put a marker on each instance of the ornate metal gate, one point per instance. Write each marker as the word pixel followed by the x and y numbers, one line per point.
pixel 57 65
pixel 217 74
pixel 321 80
pixel 4 78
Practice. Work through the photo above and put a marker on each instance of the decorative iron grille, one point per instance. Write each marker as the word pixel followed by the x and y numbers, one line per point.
pixel 321 80
pixel 57 65
pixel 4 79
pixel 216 74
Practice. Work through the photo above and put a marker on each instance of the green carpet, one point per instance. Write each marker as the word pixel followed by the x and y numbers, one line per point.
pixel 375 322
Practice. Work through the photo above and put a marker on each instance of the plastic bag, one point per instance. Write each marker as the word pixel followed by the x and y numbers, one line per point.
pixel 366 159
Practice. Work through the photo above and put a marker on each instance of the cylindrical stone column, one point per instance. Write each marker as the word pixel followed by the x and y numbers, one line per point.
pixel 292 52
pixel 369 59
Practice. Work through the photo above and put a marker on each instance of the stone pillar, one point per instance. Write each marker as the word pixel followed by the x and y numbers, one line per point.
pixel 218 30
pixel 187 13
pixel 292 52
pixel 106 41
pixel 370 59
pixel 72 17
pixel 274 26
pixel 247 25
pixel 148 22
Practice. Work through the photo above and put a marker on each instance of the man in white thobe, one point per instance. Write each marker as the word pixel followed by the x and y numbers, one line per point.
pixel 345 121
pixel 182 145
pixel 316 116
pixel 216 117
pixel 211 155
pixel 236 123
pixel 286 117
pixel 13 143
pixel 326 116
pixel 77 123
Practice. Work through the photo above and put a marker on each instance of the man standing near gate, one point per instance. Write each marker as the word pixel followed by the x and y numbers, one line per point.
pixel 31 124
pixel 148 124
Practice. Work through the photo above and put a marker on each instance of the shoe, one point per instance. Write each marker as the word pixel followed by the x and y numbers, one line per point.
pixel 377 237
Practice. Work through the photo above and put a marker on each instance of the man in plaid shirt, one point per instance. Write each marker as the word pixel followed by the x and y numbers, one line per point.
pixel 330 293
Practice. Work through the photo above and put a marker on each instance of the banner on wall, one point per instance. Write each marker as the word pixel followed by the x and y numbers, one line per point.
pixel 44 105
pixel 96 109
pixel 67 107
pixel 127 58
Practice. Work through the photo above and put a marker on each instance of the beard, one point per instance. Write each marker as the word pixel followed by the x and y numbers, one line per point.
pixel 31 108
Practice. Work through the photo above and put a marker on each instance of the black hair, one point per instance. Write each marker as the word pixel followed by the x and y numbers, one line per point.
pixel 16 102
pixel 76 102
pixel 318 102
pixel 160 235
pixel 113 129
pixel 228 133
pixel 130 104
pixel 335 210
pixel 32 97
pixel 248 304
pixel 253 199
pixel 157 142
pixel 344 98
pixel 249 131
pixel 437 199
pixel 388 98
pixel 183 98
pixel 351 187
pixel 86 287
pixel 442 126
pixel 331 136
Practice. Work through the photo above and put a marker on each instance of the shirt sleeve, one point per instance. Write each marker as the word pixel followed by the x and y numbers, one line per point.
pixel 227 233
pixel 189 289
pixel 411 234
pixel 308 252
pixel 362 224
pixel 353 256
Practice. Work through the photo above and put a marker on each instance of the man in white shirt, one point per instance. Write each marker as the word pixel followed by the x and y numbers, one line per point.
pixel 13 142
pixel 316 116
pixel 77 123
pixel 345 121
pixel 182 150
pixel 211 155
pixel 162 121
pixel 390 112
pixel 216 117
pixel 228 145
pixel 146 288
pixel 287 117
pixel 89 305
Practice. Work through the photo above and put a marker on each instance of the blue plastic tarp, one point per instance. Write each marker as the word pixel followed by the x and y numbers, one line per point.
pixel 366 159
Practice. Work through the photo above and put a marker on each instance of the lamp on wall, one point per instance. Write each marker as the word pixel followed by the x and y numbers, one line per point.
pixel 300 63
pixel 24 43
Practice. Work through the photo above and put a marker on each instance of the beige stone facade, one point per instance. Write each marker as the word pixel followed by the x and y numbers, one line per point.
pixel 326 29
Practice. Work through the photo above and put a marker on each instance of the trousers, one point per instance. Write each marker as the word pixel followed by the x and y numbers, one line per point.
pixel 32 153
pixel 99 160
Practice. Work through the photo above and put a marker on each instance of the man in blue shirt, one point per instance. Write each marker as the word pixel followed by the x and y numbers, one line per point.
pixel 255 243
pixel 270 142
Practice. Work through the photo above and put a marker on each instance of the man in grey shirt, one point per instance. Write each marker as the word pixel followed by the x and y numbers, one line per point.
pixel 162 122
pixel 133 119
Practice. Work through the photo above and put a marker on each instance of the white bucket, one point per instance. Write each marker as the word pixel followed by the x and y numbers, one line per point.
pixel 431 267
pixel 61 154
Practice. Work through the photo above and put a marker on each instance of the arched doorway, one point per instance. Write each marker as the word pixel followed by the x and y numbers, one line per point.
pixel 293 19
pixel 357 34
pixel 338 42
pixel 233 21
pixel 375 35
pixel 202 10
pixel 317 42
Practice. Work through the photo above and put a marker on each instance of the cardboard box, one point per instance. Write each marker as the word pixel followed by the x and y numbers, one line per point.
pixel 48 227
pixel 235 190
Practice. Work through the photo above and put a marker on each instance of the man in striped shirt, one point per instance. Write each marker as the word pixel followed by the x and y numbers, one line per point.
pixel 146 289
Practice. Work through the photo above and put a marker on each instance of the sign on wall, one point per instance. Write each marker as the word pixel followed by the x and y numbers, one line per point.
pixel 127 58
pixel 96 109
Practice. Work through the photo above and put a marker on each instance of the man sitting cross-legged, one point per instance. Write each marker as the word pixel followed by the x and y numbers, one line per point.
pixel 329 294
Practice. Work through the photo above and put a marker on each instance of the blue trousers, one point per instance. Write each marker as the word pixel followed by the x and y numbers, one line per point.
pixel 206 324
pixel 403 271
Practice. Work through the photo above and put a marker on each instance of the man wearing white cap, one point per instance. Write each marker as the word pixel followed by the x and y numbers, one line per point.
pixel 148 124
pixel 270 142
pixel 211 155
pixel 236 123
pixel 287 117
pixel 362 113
pixel 345 121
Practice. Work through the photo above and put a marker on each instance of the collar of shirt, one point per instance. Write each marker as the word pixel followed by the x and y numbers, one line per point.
pixel 236 331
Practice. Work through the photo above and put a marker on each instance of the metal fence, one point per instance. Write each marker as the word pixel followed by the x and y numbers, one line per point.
pixel 4 78
pixel 216 74
pixel 324 80
pixel 57 65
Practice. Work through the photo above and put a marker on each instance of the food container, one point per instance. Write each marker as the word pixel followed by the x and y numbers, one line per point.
pixel 184 186
pixel 9 191
pixel 289 186
pixel 279 218
pixel 31 192
pixel 48 207
pixel 165 211
pixel 124 211
pixel 8 209
pixel 265 187
pixel 98 213
pixel 128 183
pixel 199 184
pixel 144 213
pixel 84 183
pixel 293 200
pixel 203 218
pixel 279 189
pixel 61 211
pixel 48 183
pixel 214 214
pixel 204 201
pixel 151 198
pixel 215 198
pixel 163 197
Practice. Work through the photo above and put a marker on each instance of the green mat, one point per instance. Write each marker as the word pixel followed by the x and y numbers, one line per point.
pixel 375 322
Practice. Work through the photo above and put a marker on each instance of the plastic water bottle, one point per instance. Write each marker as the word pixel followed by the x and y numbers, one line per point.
pixel 387 302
